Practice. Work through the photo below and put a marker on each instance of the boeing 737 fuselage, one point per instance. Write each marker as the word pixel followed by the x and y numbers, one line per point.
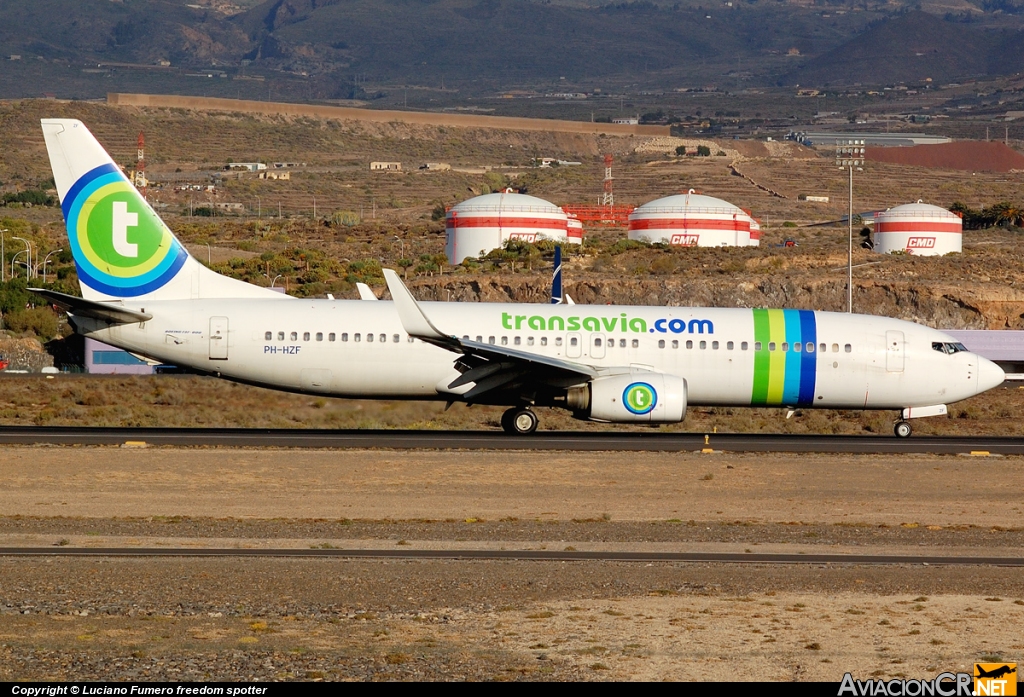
pixel 143 292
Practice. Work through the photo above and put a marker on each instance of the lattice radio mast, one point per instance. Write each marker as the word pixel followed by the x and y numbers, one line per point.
pixel 140 168
pixel 609 198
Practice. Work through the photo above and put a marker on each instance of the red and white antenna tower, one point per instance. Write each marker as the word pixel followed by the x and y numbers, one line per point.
pixel 609 198
pixel 140 169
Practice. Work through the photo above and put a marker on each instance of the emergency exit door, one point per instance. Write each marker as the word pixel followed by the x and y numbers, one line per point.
pixel 218 338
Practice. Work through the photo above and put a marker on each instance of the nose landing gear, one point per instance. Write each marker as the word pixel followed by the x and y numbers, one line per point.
pixel 902 429
pixel 519 421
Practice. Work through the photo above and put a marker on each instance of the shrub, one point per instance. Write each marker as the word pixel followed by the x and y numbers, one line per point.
pixel 41 321
pixel 663 265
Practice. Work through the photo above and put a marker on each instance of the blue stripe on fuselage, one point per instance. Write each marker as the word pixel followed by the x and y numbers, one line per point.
pixel 791 386
pixel 808 360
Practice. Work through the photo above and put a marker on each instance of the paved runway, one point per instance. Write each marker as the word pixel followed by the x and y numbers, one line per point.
pixel 514 555
pixel 496 440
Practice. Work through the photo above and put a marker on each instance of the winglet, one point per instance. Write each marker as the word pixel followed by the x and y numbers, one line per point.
pixel 365 293
pixel 413 320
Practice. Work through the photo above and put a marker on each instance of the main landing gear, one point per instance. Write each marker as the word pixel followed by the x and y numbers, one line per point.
pixel 902 429
pixel 519 421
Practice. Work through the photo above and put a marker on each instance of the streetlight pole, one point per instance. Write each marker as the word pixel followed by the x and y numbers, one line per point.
pixel 275 280
pixel 28 249
pixel 850 154
pixel 3 255
pixel 314 208
pixel 401 242
pixel 13 259
pixel 46 259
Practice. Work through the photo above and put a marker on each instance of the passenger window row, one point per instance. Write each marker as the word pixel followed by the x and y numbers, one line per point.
pixel 758 346
pixel 543 341
pixel 358 337
pixel 574 341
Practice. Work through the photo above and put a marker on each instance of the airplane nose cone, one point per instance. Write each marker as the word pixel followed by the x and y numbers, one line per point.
pixel 989 375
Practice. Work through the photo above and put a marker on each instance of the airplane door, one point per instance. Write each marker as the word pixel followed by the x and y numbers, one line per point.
pixel 218 338
pixel 894 351
pixel 597 342
pixel 574 347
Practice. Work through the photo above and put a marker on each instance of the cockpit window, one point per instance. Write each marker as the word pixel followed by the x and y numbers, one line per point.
pixel 948 348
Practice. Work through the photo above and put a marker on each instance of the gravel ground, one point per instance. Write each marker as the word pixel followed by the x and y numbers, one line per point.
pixel 337 619
pixel 281 619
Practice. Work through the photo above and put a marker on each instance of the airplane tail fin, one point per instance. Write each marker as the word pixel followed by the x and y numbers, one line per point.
pixel 122 249
pixel 556 278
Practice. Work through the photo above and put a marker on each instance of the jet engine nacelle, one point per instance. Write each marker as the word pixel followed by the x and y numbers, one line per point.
pixel 634 398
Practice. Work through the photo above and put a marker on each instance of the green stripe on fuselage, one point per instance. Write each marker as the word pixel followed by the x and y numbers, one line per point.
pixel 759 394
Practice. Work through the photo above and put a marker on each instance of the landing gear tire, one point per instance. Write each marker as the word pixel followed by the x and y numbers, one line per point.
pixel 519 421
pixel 902 429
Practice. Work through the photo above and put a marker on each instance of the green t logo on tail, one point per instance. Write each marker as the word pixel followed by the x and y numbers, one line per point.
pixel 120 246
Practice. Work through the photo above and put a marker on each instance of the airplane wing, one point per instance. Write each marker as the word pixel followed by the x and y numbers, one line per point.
pixel 80 307
pixel 488 366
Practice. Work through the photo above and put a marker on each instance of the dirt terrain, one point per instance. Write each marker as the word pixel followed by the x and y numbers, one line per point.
pixel 219 619
pixel 969 156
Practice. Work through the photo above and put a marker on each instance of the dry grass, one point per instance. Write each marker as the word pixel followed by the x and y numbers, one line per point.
pixel 191 401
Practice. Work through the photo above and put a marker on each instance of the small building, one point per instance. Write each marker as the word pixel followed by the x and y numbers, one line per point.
pixel 920 229
pixel 553 161
pixel 101 359
pixel 283 176
pixel 627 121
pixel 436 167
pixel 249 166
pixel 230 207
pixel 385 166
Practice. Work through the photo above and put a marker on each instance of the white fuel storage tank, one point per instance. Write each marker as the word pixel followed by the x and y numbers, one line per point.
pixel 691 220
pixel 755 232
pixel 918 228
pixel 478 225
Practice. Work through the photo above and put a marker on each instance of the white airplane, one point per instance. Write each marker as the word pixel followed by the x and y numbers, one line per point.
pixel 620 364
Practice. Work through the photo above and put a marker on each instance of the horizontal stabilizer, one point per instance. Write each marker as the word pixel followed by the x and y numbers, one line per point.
pixel 80 307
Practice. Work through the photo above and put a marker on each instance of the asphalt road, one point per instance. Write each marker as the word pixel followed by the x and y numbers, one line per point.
pixel 496 440
pixel 514 555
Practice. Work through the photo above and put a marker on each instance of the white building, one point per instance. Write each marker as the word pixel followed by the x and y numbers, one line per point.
pixel 251 166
